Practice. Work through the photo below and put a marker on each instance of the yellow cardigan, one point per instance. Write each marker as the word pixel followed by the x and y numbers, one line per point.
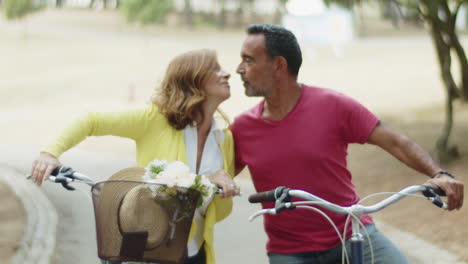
pixel 155 139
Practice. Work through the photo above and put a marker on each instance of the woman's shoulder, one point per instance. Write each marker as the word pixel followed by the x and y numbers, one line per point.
pixel 151 112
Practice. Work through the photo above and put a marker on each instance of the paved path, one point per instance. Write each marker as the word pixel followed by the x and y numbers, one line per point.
pixel 238 240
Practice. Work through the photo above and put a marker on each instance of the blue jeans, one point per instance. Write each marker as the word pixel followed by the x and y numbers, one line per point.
pixel 385 252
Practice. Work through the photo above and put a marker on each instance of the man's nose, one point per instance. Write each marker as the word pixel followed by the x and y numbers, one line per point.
pixel 240 69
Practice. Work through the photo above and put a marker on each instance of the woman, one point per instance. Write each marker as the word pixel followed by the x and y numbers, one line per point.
pixel 177 125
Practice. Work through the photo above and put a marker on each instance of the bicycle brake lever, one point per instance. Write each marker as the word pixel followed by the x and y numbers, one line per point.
pixel 432 195
pixel 284 206
pixel 63 180
pixel 438 202
pixel 270 211
pixel 66 186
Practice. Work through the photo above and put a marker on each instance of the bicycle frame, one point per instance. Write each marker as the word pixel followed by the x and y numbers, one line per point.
pixel 282 195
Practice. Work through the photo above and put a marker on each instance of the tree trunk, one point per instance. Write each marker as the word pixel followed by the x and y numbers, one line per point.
pixel 240 13
pixel 278 16
pixel 461 55
pixel 252 11
pixel 222 20
pixel 188 13
pixel 59 3
pixel 440 33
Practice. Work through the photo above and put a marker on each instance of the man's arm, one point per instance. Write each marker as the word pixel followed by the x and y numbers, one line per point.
pixel 414 156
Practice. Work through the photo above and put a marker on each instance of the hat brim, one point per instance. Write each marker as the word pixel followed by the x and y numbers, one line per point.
pixel 108 197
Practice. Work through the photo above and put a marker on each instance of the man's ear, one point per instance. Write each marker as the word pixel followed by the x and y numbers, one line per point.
pixel 280 64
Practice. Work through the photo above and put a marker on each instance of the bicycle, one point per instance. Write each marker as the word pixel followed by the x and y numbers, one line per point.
pixel 156 233
pixel 282 198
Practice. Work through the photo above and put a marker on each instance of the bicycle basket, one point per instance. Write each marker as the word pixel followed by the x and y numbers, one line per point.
pixel 143 222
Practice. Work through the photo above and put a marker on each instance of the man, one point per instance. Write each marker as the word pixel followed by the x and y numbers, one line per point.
pixel 298 137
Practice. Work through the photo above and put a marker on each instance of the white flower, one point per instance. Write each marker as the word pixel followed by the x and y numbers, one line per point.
pixel 177 174
pixel 186 180
pixel 205 181
pixel 158 163
pixel 154 168
pixel 176 168
pixel 166 178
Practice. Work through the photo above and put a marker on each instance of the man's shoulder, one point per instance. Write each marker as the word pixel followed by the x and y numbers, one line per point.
pixel 320 91
pixel 247 118
pixel 319 95
pixel 249 114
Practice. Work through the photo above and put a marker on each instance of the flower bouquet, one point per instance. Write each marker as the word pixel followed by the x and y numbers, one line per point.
pixel 167 175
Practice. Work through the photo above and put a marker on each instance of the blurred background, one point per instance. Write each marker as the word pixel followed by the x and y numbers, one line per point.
pixel 403 59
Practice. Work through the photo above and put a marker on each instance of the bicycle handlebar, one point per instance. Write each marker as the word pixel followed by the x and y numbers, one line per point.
pixel 282 195
pixel 65 175
pixel 268 196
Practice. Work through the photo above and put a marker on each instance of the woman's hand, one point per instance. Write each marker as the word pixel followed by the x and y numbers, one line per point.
pixel 43 166
pixel 225 182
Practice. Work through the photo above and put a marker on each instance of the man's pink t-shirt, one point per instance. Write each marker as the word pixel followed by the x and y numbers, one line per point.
pixel 305 150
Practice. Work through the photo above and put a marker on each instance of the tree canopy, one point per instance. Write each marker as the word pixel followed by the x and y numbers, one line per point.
pixel 17 9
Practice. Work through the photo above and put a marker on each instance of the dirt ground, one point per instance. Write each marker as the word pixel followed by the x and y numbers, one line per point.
pixel 59 64
pixel 12 219
pixel 376 171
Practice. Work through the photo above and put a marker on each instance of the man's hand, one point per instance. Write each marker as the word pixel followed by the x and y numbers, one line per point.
pixel 43 166
pixel 453 189
pixel 225 182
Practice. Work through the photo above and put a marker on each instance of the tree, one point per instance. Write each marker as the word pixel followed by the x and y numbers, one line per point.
pixel 441 16
pixel 222 19
pixel 147 11
pixel 17 9
pixel 240 13
pixel 59 3
pixel 279 11
pixel 105 3
pixel 188 13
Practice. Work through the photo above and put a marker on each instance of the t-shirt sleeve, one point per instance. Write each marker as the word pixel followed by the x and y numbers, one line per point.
pixel 237 151
pixel 357 122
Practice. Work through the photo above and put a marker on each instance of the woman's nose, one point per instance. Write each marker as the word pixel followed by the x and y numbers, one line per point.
pixel 225 74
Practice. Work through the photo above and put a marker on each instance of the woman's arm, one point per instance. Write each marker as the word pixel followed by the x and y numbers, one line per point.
pixel 129 124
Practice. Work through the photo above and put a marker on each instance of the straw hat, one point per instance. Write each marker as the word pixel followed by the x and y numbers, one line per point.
pixel 131 225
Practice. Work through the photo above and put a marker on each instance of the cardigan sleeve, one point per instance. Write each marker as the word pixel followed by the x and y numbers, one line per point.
pixel 224 205
pixel 128 124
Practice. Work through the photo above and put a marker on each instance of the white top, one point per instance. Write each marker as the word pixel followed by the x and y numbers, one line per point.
pixel 211 162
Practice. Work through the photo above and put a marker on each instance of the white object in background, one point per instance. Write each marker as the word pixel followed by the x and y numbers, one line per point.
pixel 317 25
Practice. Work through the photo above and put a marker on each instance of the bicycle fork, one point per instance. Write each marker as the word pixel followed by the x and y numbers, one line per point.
pixel 357 256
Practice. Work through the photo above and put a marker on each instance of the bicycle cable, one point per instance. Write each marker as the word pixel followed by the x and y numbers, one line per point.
pixel 371 247
pixel 305 206
pixel 341 236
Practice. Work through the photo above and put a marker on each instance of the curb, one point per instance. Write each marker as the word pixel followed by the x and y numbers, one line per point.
pixel 418 249
pixel 38 243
